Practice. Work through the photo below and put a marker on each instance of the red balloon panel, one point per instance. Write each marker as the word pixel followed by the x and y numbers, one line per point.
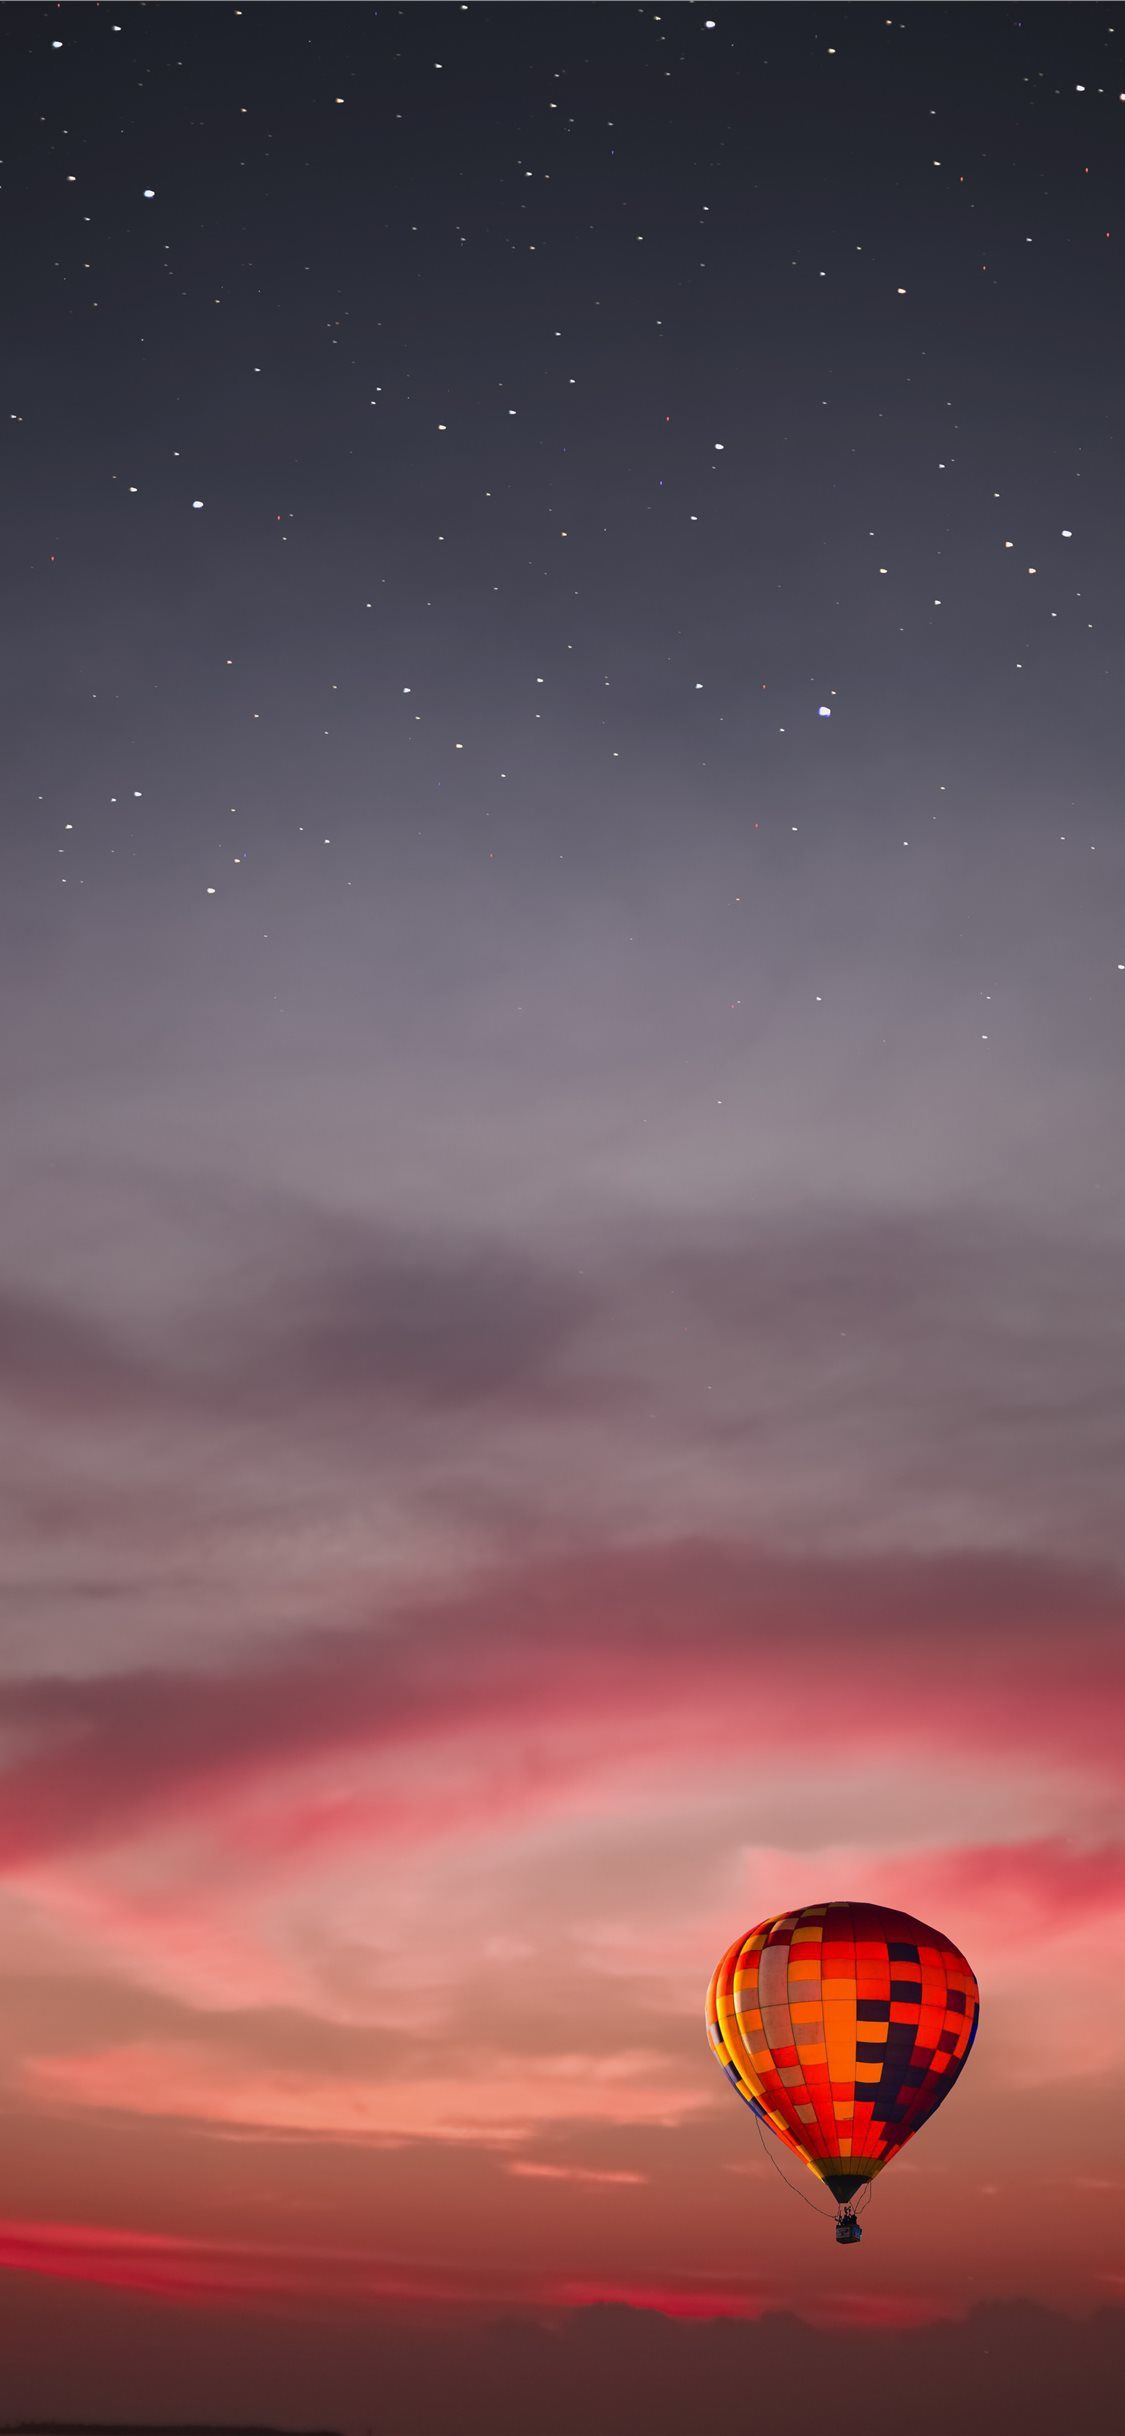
pixel 843 2025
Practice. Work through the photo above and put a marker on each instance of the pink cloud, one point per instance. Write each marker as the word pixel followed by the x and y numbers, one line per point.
pixel 1049 1886
pixel 492 2103
pixel 532 2169
pixel 702 2298
pixel 1013 1895
pixel 687 2300
pixel 536 1685
pixel 206 2273
pixel 234 2274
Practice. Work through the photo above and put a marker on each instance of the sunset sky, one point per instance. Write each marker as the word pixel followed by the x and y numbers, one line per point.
pixel 562 1320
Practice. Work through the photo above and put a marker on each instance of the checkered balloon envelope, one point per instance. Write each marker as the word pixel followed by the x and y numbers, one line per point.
pixel 843 2026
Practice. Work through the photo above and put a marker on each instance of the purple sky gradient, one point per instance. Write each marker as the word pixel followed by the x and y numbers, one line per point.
pixel 562 1308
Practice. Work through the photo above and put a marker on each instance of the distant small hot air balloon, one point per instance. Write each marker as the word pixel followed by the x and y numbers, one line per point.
pixel 843 2026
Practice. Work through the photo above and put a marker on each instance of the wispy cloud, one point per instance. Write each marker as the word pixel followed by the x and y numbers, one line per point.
pixel 605 1656
pixel 535 2169
pixel 216 2274
pixel 493 2099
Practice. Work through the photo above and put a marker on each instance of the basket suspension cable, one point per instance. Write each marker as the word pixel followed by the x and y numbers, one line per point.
pixel 779 2169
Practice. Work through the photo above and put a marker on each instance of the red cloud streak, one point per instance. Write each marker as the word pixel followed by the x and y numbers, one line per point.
pixel 245 2275
pixel 680 1654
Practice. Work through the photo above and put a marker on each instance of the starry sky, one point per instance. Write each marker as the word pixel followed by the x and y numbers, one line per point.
pixel 562 1306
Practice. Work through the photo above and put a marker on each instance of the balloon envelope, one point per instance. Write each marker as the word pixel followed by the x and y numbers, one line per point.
pixel 843 2026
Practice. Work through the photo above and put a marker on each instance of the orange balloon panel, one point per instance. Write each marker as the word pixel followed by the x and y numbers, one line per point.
pixel 843 2025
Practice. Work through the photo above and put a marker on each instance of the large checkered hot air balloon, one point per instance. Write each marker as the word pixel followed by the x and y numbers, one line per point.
pixel 843 2026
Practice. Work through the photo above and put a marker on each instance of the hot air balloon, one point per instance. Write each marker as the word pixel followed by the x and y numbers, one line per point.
pixel 843 2026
